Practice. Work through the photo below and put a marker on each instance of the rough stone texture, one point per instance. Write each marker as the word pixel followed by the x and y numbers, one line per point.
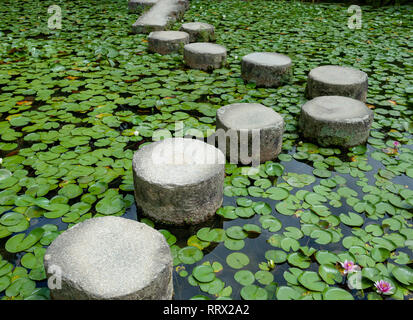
pixel 166 42
pixel 266 69
pixel 204 55
pixel 135 5
pixel 245 117
pixel 111 258
pixel 161 16
pixel 336 121
pixel 179 181
pixel 199 31
pixel 337 81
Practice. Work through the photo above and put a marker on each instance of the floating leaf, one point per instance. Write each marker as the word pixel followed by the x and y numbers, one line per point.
pixel 253 292
pixel 237 260
pixel 203 273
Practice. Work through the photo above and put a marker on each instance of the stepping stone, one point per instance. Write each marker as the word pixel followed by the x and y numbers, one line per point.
pixel 336 121
pixel 266 69
pixel 337 81
pixel 135 5
pixel 166 42
pixel 179 181
pixel 199 31
pixel 110 258
pixel 161 16
pixel 245 117
pixel 205 55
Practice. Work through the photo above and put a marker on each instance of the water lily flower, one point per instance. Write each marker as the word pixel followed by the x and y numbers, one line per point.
pixel 1 160
pixel 396 144
pixel 383 287
pixel 136 133
pixel 349 266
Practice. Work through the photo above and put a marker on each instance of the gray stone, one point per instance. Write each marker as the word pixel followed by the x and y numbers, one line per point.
pixel 245 117
pixel 136 5
pixel 161 16
pixel 337 81
pixel 166 42
pixel 199 31
pixel 179 181
pixel 266 69
pixel 336 121
pixel 110 258
pixel 205 55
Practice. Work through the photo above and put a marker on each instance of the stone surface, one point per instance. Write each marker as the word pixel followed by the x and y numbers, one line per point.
pixel 246 117
pixel 266 69
pixel 135 5
pixel 166 42
pixel 199 31
pixel 178 181
pixel 204 55
pixel 110 258
pixel 161 16
pixel 337 81
pixel 336 121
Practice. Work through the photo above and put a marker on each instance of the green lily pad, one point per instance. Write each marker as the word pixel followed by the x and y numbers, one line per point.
pixel 287 293
pixel 311 281
pixel 20 242
pixel 352 219
pixel 333 293
pixel 244 277
pixel 71 191
pixel 253 292
pixel 264 277
pixel 236 232
pixel 329 274
pixel 190 255
pixel 237 260
pixel 403 274
pixel 271 223
pixel 203 273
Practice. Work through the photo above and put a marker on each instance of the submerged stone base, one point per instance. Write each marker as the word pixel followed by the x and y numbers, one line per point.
pixel 166 42
pixel 110 258
pixel 136 5
pixel 178 181
pixel 266 69
pixel 336 121
pixel 161 16
pixel 205 55
pixel 242 119
pixel 199 31
pixel 337 81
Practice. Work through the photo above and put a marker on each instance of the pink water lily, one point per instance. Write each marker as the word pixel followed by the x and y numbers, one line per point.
pixel 396 144
pixel 383 287
pixel 349 266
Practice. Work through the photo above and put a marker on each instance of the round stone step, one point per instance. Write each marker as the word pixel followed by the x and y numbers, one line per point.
pixel 166 42
pixel 179 181
pixel 337 81
pixel 248 117
pixel 199 31
pixel 266 69
pixel 204 55
pixel 109 258
pixel 336 121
